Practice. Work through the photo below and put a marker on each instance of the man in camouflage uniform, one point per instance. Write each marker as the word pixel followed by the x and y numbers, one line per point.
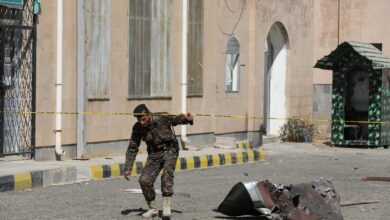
pixel 163 150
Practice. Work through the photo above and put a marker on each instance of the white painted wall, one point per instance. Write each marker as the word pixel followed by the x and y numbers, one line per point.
pixel 277 73
pixel 278 92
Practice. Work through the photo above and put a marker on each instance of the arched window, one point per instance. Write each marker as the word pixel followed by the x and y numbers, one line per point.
pixel 232 72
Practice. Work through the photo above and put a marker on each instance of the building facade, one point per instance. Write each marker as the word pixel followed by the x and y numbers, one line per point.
pixel 248 58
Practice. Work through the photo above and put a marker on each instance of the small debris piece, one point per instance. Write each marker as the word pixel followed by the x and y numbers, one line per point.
pixel 80 158
pixel 193 148
pixel 375 178
pixel 362 209
pixel 349 203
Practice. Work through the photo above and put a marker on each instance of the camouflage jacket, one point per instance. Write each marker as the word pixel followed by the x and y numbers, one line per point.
pixel 157 133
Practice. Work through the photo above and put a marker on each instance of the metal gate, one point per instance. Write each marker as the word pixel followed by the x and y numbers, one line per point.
pixel 17 78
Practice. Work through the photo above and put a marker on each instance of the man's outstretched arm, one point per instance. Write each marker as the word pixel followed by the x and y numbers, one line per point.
pixel 132 151
pixel 181 119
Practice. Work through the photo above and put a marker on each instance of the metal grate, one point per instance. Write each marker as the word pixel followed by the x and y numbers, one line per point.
pixel 17 66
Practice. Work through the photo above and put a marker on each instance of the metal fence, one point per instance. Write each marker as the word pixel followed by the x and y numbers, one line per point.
pixel 17 79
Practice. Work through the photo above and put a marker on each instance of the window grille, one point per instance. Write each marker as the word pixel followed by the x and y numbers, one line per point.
pixel 195 47
pixel 97 47
pixel 149 48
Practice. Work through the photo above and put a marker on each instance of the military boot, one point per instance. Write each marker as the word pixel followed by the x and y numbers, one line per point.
pixel 167 207
pixel 152 212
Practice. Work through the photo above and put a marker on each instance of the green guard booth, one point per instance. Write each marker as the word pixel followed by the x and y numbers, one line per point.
pixel 360 95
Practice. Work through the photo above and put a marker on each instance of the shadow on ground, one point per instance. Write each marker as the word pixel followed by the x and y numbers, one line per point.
pixel 242 217
pixel 141 210
pixel 239 217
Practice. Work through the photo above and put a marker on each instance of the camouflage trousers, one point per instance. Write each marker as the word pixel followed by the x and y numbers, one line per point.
pixel 164 160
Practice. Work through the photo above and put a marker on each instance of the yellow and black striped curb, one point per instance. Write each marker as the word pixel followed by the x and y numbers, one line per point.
pixel 28 180
pixel 188 163
pixel 244 145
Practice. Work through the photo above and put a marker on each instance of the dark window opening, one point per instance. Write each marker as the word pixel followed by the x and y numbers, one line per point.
pixel 377 45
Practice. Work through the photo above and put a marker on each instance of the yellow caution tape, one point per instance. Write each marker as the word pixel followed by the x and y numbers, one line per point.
pixel 194 114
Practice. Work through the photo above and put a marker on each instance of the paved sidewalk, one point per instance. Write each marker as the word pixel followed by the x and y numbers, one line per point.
pixel 21 175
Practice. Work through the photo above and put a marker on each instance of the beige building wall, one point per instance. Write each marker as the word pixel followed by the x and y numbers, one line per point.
pixel 297 20
pixel 219 24
pixel 248 21
pixel 337 21
pixel 366 21
pixel 113 127
pixel 326 35
pixel 325 39
pixel 46 73
pixel 311 28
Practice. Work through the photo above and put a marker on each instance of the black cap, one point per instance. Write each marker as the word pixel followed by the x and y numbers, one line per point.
pixel 140 110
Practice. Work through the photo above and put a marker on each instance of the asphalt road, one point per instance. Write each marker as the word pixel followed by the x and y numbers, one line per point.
pixel 286 164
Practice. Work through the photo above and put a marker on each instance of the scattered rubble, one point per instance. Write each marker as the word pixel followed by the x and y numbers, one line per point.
pixel 304 201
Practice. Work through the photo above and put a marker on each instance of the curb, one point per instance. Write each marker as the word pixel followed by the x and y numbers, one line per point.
pixel 244 144
pixel 60 176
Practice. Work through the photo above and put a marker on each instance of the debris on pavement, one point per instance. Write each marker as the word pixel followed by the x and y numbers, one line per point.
pixel 80 158
pixel 375 178
pixel 193 148
pixel 304 201
pixel 350 203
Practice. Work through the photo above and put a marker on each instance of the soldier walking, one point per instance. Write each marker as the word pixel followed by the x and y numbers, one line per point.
pixel 163 150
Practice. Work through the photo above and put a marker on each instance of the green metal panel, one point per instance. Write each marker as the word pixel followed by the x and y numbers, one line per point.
pixel 379 61
pixel 375 108
pixel 345 58
pixel 385 133
pixel 343 66
pixel 37 6
pixel 338 94
pixel 12 3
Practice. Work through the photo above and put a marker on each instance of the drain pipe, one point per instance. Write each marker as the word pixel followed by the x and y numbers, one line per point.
pixel 81 120
pixel 58 131
pixel 184 138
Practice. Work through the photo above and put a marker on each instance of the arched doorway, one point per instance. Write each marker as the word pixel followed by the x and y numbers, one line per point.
pixel 275 68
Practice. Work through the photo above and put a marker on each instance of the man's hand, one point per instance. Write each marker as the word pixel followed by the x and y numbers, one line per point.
pixel 189 117
pixel 127 175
